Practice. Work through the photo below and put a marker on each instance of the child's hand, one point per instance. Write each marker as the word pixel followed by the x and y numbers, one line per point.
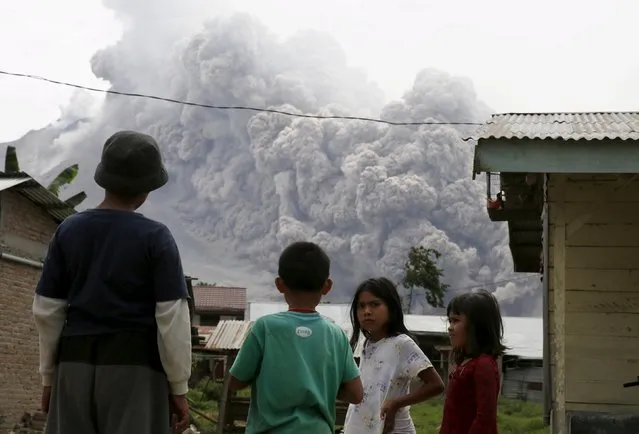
pixel 45 399
pixel 179 408
pixel 389 411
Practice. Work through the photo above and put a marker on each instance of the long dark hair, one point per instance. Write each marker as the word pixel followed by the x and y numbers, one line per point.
pixel 484 325
pixel 386 291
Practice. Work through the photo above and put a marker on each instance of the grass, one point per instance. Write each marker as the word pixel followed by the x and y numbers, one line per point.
pixel 514 417
pixel 204 398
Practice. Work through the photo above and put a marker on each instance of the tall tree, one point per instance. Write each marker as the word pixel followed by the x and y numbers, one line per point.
pixel 422 273
pixel 63 178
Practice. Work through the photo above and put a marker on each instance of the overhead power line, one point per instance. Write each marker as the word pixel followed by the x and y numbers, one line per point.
pixel 266 110
pixel 227 107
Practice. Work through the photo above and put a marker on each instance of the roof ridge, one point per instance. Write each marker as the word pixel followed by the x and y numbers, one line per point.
pixel 36 193
pixel 218 286
pixel 581 126
pixel 630 112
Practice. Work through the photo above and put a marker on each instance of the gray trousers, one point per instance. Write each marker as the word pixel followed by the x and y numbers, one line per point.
pixel 108 399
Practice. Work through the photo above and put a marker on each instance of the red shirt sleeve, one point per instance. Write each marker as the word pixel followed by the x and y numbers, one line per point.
pixel 486 379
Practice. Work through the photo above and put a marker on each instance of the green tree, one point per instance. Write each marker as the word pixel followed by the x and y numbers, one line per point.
pixel 423 274
pixel 11 160
pixel 203 283
pixel 64 178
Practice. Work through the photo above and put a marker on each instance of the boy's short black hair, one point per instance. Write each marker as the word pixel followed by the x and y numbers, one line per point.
pixel 304 267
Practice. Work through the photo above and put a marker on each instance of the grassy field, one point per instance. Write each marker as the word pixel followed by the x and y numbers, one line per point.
pixel 515 417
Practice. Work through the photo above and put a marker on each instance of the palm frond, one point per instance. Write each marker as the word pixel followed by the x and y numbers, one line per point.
pixel 64 178
pixel 76 199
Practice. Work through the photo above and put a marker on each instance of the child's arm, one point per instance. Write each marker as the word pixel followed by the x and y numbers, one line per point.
pixel 248 361
pixel 49 309
pixel 172 313
pixel 414 364
pixel 236 384
pixel 486 380
pixel 351 389
pixel 174 343
pixel 432 385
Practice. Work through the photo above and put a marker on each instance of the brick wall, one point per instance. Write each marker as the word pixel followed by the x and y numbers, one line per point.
pixel 21 218
pixel 30 423
pixel 19 380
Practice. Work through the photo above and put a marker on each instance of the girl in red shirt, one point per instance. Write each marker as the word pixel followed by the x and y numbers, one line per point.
pixel 476 334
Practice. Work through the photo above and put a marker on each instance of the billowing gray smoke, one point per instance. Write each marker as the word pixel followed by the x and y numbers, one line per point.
pixel 245 184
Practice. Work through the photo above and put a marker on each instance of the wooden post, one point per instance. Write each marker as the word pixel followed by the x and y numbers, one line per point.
pixel 558 213
pixel 225 399
pixel 444 361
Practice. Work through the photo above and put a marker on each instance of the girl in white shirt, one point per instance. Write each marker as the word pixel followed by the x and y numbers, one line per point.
pixel 390 361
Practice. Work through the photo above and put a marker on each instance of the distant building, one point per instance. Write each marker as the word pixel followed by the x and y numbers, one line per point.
pixel 523 378
pixel 521 367
pixel 218 303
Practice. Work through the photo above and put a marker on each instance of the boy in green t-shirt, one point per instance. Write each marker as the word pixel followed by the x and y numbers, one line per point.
pixel 296 362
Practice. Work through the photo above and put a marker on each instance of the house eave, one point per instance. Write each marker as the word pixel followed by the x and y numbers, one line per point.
pixel 556 156
pixel 514 158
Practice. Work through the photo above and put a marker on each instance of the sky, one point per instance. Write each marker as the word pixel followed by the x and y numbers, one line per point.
pixel 246 184
pixel 522 57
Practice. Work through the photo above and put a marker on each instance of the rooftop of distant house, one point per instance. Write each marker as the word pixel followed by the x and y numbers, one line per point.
pixel 25 185
pixel 213 298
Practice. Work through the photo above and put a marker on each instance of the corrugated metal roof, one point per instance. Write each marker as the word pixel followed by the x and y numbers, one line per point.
pixel 562 126
pixel 228 335
pixel 36 193
pixel 213 298
pixel 523 335
pixel 205 332
pixel 7 183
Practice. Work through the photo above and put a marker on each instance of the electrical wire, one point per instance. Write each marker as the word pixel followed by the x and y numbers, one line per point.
pixel 262 110
pixel 227 107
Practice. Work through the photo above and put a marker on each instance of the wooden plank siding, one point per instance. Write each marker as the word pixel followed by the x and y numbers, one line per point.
pixel 600 307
